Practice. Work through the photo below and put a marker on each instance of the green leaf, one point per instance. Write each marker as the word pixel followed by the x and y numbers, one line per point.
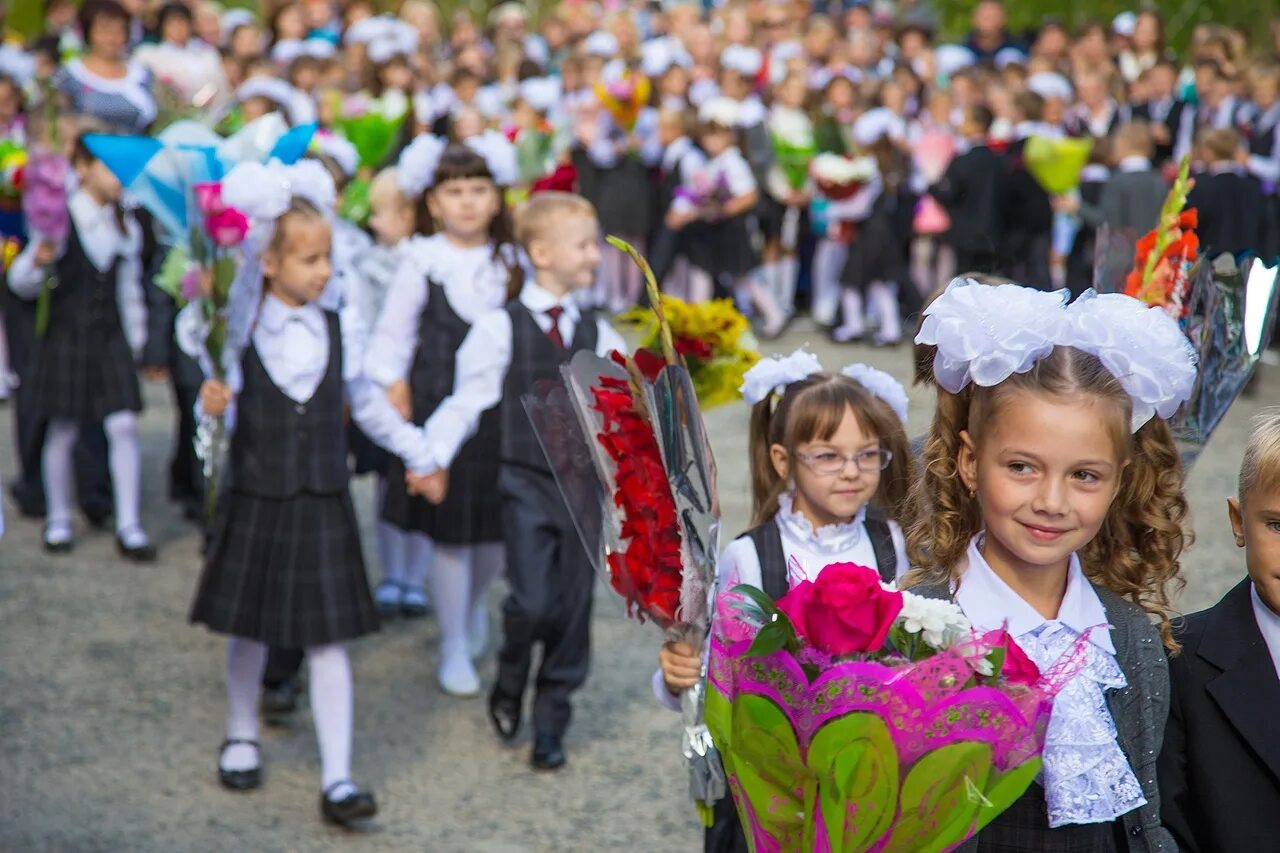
pixel 1003 789
pixel 771 638
pixel 775 785
pixel 857 768
pixel 935 811
pixel 169 279
pixel 997 658
pixel 766 604
pixel 718 714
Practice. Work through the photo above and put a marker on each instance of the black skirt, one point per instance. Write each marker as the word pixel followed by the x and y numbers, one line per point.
pixel 623 196
pixel 83 375
pixel 873 255
pixel 1025 826
pixel 286 572
pixel 471 512
pixel 721 248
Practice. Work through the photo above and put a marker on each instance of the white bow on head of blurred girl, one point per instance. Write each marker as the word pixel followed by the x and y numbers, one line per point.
pixel 771 376
pixel 416 170
pixel 264 191
pixel 881 385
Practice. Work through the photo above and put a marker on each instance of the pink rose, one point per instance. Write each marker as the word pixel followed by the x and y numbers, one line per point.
pixel 192 284
pixel 209 198
pixel 1018 668
pixel 227 228
pixel 844 611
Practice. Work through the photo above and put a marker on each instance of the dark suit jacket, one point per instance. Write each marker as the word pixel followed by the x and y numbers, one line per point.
pixel 970 192
pixel 1129 200
pixel 1220 767
pixel 1234 215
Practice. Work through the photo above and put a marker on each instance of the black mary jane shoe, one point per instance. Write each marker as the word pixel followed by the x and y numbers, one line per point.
pixel 356 806
pixel 548 752
pixel 239 780
pixel 60 546
pixel 141 554
pixel 504 713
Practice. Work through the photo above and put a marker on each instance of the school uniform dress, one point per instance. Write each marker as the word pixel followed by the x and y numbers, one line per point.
pixel 621 183
pixel 84 368
pixel 1220 765
pixel 679 161
pixel 1096 792
pixel 773 557
pixel 507 354
pixel 722 247
pixel 285 566
pixel 438 291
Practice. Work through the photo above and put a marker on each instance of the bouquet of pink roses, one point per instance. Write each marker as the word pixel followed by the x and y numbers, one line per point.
pixel 851 716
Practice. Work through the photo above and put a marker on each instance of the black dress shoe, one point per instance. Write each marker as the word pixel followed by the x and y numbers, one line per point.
pixel 504 713
pixel 29 500
pixel 548 752
pixel 239 780
pixel 358 805
pixel 141 554
pixel 280 701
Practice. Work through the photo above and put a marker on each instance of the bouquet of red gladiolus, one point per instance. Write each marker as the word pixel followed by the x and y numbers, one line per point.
pixel 626 442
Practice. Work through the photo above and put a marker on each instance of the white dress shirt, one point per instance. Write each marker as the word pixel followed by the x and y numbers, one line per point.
pixel 474 282
pixel 481 371
pixel 1085 774
pixel 102 239
pixel 1268 624
pixel 808 552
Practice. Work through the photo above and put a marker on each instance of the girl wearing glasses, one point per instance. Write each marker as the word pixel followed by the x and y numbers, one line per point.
pixel 830 468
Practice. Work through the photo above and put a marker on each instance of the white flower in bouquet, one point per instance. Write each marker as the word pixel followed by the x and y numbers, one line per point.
pixel 940 623
pixel 791 128
pixel 839 171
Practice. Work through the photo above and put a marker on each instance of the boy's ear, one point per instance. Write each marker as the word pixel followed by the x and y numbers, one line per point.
pixel 1237 520
pixel 539 254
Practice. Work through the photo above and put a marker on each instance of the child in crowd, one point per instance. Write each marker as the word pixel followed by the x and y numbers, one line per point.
pixel 830 469
pixel 1219 763
pixel 462 267
pixel 1051 504
pixel 284 567
pixel 1234 216
pixel 970 192
pixel 84 366
pixel 504 356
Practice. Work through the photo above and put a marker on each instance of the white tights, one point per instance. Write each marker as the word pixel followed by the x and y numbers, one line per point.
pixel 331 707
pixel 394 545
pixel 123 457
pixel 459 578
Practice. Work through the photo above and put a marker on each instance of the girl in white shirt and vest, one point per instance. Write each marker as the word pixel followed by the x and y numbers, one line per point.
pixel 462 266
pixel 830 469
pixel 84 365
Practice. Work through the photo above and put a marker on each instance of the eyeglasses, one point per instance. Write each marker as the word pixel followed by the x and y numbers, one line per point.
pixel 829 462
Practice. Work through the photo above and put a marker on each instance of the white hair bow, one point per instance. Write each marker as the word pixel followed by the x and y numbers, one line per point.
pixel 881 385
pixel 263 192
pixel 772 375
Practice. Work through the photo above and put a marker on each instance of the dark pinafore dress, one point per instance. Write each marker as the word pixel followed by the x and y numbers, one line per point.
pixel 725 835
pixel 285 566
pixel 83 368
pixel 472 510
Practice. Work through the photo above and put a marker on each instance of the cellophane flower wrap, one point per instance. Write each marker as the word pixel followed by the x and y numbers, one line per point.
pixel 851 716
pixel 791 134
pixel 1165 257
pixel 625 440
pixel 712 337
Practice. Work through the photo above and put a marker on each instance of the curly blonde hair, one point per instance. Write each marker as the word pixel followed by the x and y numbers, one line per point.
pixel 1136 552
pixel 811 410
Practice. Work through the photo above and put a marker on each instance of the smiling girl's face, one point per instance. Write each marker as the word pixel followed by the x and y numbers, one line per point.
pixel 1046 469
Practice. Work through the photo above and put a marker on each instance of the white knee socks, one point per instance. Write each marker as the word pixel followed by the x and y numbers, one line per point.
pixel 828 258
pixel 332 709
pixel 451 589
pixel 59 442
pixel 392 542
pixel 883 299
pixel 851 306
pixel 125 460
pixel 419 556
pixel 245 662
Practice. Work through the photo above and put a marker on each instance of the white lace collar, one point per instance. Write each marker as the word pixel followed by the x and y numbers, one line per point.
pixel 1086 776
pixel 829 539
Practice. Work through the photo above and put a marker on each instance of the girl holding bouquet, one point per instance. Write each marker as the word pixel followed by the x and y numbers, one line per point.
pixel 84 367
pixel 1052 503
pixel 447 278
pixel 715 205
pixel 830 468
pixel 284 566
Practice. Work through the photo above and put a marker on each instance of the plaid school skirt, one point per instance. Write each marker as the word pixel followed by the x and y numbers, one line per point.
pixel 1024 826
pixel 286 572
pixel 83 377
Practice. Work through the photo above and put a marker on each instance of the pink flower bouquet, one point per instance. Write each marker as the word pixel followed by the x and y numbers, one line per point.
pixel 854 717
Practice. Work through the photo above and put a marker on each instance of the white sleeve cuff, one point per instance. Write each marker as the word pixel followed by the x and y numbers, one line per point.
pixel 668 700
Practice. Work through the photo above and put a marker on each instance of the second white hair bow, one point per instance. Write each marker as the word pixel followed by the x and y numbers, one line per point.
pixel 416 170
pixel 881 385
pixel 264 191
pixel 772 375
